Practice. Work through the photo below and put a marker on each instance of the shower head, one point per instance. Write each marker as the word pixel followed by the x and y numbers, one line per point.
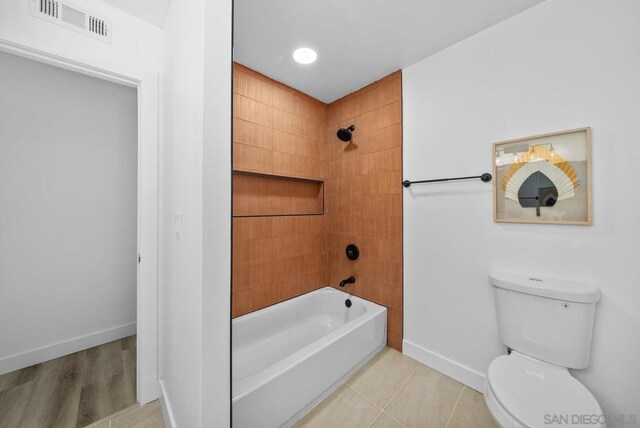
pixel 345 133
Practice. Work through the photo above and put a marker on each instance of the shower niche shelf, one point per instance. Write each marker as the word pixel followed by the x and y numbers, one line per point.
pixel 264 195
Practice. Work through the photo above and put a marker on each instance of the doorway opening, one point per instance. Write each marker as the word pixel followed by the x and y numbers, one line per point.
pixel 69 275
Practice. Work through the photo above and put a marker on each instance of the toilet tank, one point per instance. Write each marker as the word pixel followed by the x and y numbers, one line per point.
pixel 547 319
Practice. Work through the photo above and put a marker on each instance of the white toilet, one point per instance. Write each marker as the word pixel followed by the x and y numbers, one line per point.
pixel 547 324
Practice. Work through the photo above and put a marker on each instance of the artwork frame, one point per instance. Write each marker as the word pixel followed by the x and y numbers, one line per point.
pixel 548 183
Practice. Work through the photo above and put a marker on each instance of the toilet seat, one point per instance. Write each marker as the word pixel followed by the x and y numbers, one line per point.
pixel 524 392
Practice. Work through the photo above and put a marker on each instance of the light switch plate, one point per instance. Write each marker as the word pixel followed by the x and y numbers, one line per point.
pixel 177 225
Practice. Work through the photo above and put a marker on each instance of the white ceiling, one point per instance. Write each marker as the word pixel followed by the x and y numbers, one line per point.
pixel 152 11
pixel 358 41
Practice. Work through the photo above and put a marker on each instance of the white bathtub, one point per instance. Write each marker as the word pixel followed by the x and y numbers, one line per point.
pixel 288 357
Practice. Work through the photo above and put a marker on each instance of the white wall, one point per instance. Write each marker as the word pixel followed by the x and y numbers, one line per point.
pixel 68 188
pixel 181 191
pixel 560 65
pixel 196 165
pixel 216 297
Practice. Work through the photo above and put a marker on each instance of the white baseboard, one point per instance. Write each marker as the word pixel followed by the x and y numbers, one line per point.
pixel 165 404
pixel 463 374
pixel 56 350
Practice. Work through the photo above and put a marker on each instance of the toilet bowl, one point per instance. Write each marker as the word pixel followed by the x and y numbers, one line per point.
pixel 521 392
pixel 547 325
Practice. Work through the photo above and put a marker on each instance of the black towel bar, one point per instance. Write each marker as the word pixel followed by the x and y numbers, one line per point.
pixel 486 177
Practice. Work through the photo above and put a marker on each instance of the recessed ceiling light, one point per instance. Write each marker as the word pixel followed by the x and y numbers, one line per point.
pixel 305 55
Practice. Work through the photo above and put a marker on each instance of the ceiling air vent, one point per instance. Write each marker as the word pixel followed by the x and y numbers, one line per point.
pixel 49 8
pixel 72 17
pixel 98 26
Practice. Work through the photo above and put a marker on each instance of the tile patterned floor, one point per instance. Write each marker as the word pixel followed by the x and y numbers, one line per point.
pixel 71 391
pixel 395 391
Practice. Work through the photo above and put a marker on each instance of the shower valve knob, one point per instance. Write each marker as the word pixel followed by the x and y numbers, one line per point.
pixel 352 252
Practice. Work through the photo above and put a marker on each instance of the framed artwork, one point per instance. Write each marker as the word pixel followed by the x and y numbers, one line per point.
pixel 544 179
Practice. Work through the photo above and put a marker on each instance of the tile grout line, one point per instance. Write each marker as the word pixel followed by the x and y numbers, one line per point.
pixel 396 393
pixel 375 405
pixel 401 386
pixel 374 419
pixel 366 399
pixel 397 421
pixel 361 395
pixel 362 111
pixel 388 401
pixel 455 406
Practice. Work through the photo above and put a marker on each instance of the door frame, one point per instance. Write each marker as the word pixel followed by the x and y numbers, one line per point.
pixel 148 99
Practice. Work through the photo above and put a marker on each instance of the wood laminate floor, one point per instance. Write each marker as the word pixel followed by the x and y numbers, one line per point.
pixel 147 416
pixel 71 391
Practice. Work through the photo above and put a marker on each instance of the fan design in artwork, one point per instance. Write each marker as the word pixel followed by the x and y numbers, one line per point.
pixel 537 191
pixel 539 166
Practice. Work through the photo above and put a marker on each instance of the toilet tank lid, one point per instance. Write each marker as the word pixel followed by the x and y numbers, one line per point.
pixel 545 287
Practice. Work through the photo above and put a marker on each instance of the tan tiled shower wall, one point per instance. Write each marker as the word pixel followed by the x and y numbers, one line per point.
pixel 363 202
pixel 282 132
pixel 276 129
pixel 279 133
pixel 275 259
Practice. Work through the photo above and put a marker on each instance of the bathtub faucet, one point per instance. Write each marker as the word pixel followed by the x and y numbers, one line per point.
pixel 350 280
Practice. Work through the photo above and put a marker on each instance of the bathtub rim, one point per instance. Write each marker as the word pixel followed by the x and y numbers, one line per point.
pixel 325 289
pixel 304 353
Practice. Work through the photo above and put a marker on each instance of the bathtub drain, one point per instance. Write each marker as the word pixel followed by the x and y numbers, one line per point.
pixel 347 303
